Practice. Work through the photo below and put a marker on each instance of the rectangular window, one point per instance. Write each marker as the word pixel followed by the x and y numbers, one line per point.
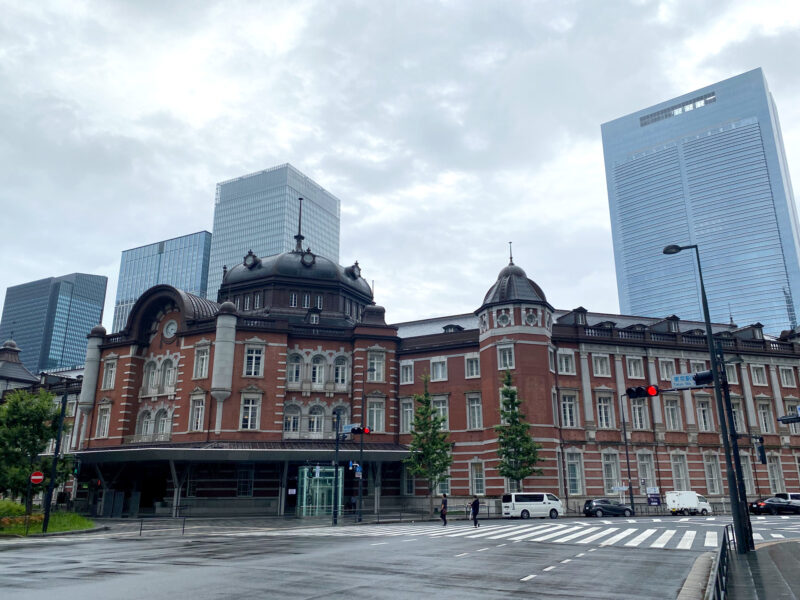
pixel 647 472
pixel 439 404
pixel 247 302
pixel 71 406
pixel 306 300
pixel 254 364
pixel 635 367
pixel 476 481
pixel 787 377
pixel 551 359
pixel 375 416
pixel 794 428
pixel 747 473
pixel 601 365
pixel 566 363
pixel 200 363
pixel 775 474
pixel 109 373
pixel 313 318
pixel 103 418
pixel 293 299
pixel 639 413
pixel 249 417
pixel 765 417
pixel 472 366
pixel 474 411
pixel 514 486
pixel 444 485
pixel 196 416
pixel 568 408
pixel 713 474
pixel 257 300
pixel 738 424
pixel 244 480
pixel 605 412
pixel 438 369
pixel 406 372
pixel 574 470
pixel 406 416
pixel 376 362
pixel 610 472
pixel 666 368
pixel 408 483
pixel 759 374
pixel 704 422
pixel 672 414
pixel 696 366
pixel 680 472
pixel 318 302
pixel 732 374
pixel 505 357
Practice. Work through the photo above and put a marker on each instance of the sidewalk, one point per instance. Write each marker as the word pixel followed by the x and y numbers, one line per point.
pixel 772 572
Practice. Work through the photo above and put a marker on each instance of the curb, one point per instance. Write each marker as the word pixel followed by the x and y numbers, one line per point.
pixel 697 580
pixel 55 533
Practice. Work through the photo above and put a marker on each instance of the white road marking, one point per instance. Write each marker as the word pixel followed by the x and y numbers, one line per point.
pixel 548 568
pixel 622 534
pixel 758 536
pixel 641 537
pixel 566 560
pixel 548 536
pixel 516 530
pixel 776 535
pixel 663 538
pixel 531 534
pixel 711 539
pixel 581 554
pixel 499 545
pixel 572 536
pixel 462 554
pixel 528 578
pixel 481 549
pixel 597 536
pixel 687 540
pixel 379 544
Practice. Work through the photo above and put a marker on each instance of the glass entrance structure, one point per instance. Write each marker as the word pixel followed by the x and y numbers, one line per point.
pixel 316 493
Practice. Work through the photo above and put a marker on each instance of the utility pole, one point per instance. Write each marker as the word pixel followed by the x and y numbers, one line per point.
pixel 336 470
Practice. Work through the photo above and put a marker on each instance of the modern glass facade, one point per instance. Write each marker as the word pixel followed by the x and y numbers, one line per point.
pixel 181 262
pixel 259 212
pixel 50 319
pixel 707 168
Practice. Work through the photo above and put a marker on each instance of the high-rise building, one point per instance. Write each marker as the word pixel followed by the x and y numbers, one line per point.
pixel 181 262
pixel 706 168
pixel 260 211
pixel 49 319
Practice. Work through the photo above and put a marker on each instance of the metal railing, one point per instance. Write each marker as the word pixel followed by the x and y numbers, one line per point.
pixel 146 438
pixel 717 587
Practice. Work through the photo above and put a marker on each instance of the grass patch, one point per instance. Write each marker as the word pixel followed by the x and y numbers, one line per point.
pixel 59 521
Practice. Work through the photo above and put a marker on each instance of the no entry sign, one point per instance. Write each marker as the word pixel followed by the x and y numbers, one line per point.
pixel 37 477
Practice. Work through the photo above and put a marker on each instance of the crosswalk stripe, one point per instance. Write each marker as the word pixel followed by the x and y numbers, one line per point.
pixel 553 534
pixel 686 540
pixel 470 531
pixel 758 536
pixel 711 538
pixel 597 536
pixel 572 536
pixel 663 538
pixel 516 530
pixel 641 537
pixel 531 534
pixel 621 535
pixel 493 531
pixel 776 535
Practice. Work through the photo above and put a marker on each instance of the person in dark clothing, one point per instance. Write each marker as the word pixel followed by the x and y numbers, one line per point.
pixel 476 507
pixel 443 510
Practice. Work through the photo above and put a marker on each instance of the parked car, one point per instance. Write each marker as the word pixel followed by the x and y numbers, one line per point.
pixel 687 503
pixel 527 505
pixel 601 507
pixel 775 506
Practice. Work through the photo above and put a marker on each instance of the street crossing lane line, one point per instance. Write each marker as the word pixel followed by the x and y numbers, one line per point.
pixel 597 536
pixel 548 536
pixel 621 535
pixel 534 532
pixel 687 540
pixel 663 538
pixel 776 535
pixel 528 578
pixel 516 530
pixel 758 536
pixel 462 554
pixel 548 568
pixel 507 531
pixel 711 539
pixel 470 531
pixel 641 537
pixel 444 531
pixel 572 536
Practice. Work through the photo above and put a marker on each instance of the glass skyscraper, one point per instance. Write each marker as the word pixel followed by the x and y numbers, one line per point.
pixel 259 212
pixel 50 319
pixel 181 262
pixel 706 168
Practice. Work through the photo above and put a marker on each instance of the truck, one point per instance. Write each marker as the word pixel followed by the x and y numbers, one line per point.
pixel 687 503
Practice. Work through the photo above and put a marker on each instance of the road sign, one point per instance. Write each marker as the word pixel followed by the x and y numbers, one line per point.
pixel 619 488
pixel 358 474
pixel 37 477
pixel 653 500
pixel 683 381
pixel 652 490
pixel 349 427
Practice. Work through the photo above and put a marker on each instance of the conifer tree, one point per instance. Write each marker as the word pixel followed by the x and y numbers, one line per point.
pixel 517 451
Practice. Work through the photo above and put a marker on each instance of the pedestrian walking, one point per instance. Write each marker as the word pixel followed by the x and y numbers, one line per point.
pixel 443 510
pixel 476 507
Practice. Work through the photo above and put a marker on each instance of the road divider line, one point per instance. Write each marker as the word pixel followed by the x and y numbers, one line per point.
pixel 379 544
pixel 462 554
pixel 528 578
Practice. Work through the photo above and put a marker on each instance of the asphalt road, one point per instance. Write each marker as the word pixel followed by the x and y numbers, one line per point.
pixel 567 558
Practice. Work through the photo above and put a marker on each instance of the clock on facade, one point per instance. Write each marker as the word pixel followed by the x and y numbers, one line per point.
pixel 170 329
pixel 307 259
pixel 503 319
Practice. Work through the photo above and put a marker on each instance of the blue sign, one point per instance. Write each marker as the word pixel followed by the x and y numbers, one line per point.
pixel 653 500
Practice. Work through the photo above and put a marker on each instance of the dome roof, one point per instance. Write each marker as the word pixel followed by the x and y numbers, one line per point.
pixel 513 285
pixel 296 265
pixel 10 345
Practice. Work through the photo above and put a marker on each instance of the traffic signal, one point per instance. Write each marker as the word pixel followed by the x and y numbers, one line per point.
pixel 642 391
pixel 358 430
pixel 762 454
pixel 76 467
pixel 704 378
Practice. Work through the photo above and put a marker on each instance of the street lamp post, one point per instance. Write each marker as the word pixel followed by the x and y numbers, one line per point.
pixel 742 545
pixel 336 469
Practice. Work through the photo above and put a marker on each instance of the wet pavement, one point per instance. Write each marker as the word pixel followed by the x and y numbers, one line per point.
pixel 772 572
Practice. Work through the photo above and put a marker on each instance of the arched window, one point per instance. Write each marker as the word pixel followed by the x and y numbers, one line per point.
pixel 145 424
pixel 318 370
pixel 162 423
pixel 167 374
pixel 340 371
pixel 149 378
pixel 316 418
pixel 291 419
pixel 294 367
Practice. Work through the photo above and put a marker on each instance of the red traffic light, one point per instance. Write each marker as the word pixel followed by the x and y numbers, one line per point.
pixel 360 430
pixel 367 430
pixel 651 390
pixel 642 391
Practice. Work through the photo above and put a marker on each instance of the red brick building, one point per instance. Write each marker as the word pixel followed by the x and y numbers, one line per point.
pixel 225 406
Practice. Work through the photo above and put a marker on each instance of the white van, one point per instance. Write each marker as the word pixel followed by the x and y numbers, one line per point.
pixel 687 503
pixel 526 505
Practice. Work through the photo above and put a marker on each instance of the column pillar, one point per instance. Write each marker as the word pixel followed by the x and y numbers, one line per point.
pixel 224 348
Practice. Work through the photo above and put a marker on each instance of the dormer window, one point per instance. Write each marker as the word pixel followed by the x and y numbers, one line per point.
pixel 452 328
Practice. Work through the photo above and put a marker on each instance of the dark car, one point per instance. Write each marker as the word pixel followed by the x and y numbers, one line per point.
pixel 774 506
pixel 601 507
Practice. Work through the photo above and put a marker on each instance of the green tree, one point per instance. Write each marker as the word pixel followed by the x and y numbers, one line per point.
pixel 27 424
pixel 517 451
pixel 430 451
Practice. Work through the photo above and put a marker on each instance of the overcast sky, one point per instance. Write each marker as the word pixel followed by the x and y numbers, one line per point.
pixel 446 128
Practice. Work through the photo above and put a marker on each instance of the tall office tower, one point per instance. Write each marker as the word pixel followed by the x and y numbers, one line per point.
pixel 49 319
pixel 259 212
pixel 181 262
pixel 706 168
